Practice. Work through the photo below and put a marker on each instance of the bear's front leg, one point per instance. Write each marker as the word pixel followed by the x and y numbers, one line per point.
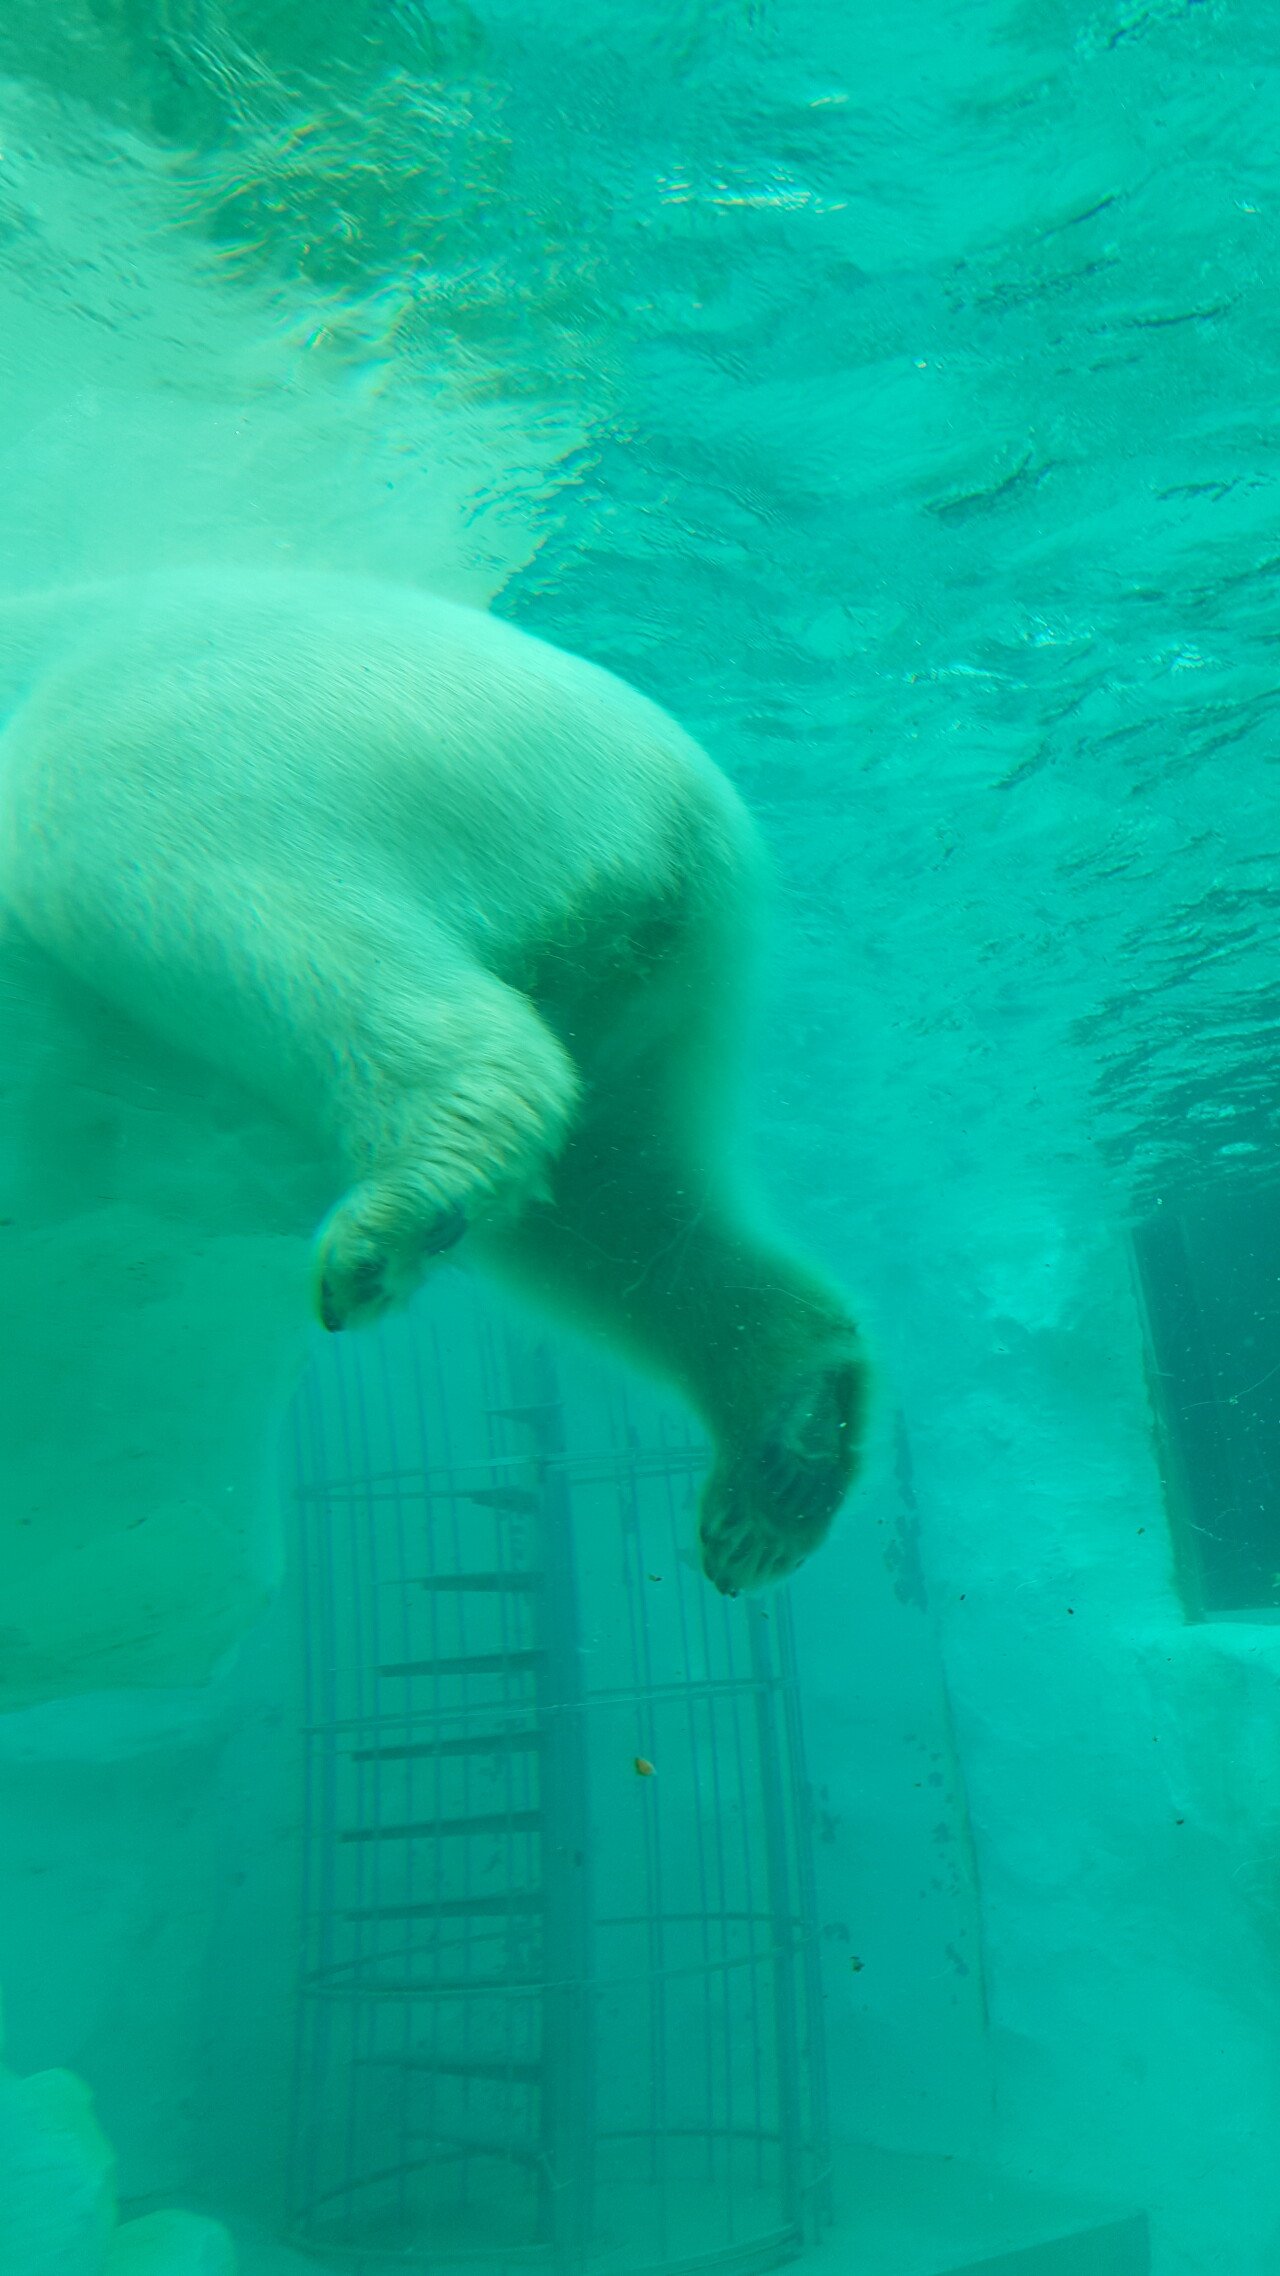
pixel 452 1102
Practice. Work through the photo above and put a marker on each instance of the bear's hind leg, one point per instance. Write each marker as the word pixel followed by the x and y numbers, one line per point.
pixel 647 1242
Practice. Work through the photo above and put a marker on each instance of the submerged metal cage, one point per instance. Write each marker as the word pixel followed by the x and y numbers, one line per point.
pixel 559 1993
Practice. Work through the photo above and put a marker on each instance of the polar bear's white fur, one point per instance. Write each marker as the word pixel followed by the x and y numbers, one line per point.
pixel 473 915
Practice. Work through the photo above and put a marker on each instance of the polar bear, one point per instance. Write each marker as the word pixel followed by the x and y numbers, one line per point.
pixel 474 915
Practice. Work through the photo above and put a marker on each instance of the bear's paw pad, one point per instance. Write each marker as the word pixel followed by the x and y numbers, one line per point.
pixel 765 1510
pixel 805 1465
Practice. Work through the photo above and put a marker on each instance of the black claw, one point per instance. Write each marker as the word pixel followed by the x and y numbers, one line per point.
pixel 367 1280
pixel 365 1286
pixel 776 1465
pixel 804 1491
pixel 806 1463
pixel 733 1536
pixel 446 1232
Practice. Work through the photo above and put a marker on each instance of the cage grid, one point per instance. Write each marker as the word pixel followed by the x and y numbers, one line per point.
pixel 558 2002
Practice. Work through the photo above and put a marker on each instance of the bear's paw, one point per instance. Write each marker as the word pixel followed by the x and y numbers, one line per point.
pixel 769 1503
pixel 367 1261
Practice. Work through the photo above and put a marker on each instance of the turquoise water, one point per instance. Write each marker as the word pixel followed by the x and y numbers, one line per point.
pixel 891 396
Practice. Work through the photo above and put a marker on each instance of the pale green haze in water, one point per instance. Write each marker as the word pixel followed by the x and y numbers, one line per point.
pixel 407 1860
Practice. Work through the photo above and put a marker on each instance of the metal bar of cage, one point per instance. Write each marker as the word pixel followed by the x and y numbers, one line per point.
pixel 466 1962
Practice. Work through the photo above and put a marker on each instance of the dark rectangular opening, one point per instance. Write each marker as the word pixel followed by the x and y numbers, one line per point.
pixel 1209 1273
